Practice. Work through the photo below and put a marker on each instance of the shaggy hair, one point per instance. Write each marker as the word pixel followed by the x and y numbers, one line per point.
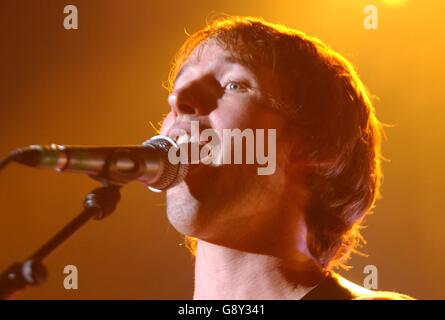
pixel 331 115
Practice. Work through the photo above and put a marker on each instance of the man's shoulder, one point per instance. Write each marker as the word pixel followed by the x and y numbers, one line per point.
pixel 335 287
pixel 384 295
pixel 360 293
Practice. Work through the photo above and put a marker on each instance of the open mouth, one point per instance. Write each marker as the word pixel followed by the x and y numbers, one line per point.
pixel 183 135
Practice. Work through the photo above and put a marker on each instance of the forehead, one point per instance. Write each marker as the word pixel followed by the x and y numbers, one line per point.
pixel 209 54
pixel 211 50
pixel 212 54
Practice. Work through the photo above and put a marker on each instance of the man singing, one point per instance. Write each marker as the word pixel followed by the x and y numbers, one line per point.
pixel 274 236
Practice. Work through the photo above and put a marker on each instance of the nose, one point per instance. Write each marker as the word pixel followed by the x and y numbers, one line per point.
pixel 197 97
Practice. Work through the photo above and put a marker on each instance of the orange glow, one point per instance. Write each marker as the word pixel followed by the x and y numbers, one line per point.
pixel 102 85
pixel 394 2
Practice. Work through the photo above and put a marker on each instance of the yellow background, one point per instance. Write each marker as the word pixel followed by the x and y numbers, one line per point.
pixel 101 84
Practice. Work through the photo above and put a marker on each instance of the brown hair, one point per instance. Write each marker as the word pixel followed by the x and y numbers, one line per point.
pixel 331 114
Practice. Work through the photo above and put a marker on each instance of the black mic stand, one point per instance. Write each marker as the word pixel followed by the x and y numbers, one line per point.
pixel 98 204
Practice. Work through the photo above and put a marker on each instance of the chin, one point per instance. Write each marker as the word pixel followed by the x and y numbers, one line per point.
pixel 194 205
pixel 200 205
pixel 182 209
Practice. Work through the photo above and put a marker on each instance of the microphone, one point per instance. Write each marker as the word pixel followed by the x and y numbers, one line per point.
pixel 119 165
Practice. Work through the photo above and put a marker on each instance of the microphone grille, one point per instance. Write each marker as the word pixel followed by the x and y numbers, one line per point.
pixel 172 174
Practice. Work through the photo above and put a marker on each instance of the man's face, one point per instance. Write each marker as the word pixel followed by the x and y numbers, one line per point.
pixel 226 204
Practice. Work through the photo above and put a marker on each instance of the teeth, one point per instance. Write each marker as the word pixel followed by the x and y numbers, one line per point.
pixel 185 138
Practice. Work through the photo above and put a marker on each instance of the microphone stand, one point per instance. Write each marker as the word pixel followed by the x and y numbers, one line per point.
pixel 98 204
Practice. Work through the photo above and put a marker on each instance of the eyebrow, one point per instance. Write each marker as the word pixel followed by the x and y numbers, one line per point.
pixel 230 59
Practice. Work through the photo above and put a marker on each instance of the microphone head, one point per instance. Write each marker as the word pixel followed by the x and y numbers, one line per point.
pixel 172 174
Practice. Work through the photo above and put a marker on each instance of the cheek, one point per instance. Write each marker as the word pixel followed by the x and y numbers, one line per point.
pixel 167 123
pixel 233 114
pixel 248 113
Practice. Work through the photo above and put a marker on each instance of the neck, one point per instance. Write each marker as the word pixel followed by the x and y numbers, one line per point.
pixel 223 273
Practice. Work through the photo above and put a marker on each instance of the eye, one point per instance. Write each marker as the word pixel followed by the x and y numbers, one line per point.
pixel 235 86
